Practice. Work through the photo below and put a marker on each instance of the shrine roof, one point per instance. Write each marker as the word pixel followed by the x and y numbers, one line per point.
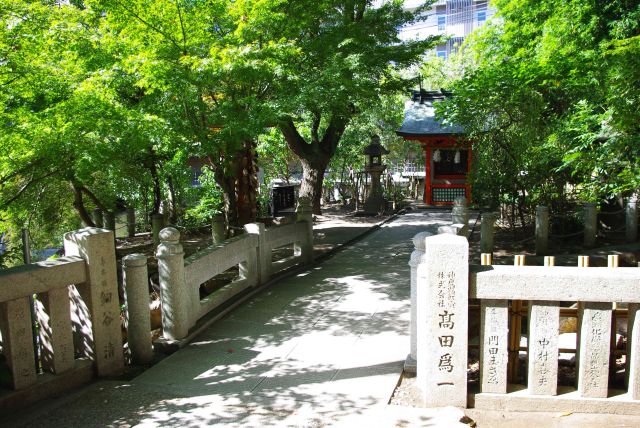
pixel 420 118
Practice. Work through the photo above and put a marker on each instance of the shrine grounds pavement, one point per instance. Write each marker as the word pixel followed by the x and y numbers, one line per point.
pixel 322 347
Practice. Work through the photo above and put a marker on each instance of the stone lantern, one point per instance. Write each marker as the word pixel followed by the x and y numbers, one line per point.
pixel 375 202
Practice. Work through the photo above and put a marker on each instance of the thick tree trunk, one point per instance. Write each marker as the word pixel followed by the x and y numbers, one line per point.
pixel 313 180
pixel 237 177
pixel 314 156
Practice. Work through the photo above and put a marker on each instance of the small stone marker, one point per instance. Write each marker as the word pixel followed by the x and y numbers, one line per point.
pixel 17 341
pixel 494 353
pixel 442 293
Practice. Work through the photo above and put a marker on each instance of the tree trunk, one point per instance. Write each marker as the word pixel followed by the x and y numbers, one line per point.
pixel 312 181
pixel 78 204
pixel 314 156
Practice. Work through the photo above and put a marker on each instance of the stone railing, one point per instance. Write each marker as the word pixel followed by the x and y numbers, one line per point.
pixel 589 232
pixel 75 302
pixel 180 278
pixel 445 284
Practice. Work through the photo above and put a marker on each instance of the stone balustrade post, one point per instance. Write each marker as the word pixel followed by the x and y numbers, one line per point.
pixel 460 213
pixel 590 224
pixel 157 223
pixel 95 303
pixel 410 363
pixel 136 299
pixel 542 230
pixel 487 231
pixel 263 254
pixel 442 321
pixel 631 231
pixel 304 212
pixel 174 295
pixel 452 229
pixel 218 234
pixel 131 222
pixel 96 216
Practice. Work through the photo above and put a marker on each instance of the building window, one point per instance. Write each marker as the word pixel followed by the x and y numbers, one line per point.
pixel 442 20
pixel 442 54
pixel 451 163
pixel 481 17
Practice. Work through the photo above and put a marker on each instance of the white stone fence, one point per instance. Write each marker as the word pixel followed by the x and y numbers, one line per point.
pixel 445 285
pixel 180 278
pixel 78 314
pixel 590 216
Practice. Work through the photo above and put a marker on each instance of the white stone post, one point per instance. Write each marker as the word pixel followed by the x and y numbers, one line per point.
pixel 248 269
pixel 410 364
pixel 460 213
pixel 632 220
pixel 99 333
pixel 304 212
pixel 487 226
pixel 442 321
pixel 136 300
pixel 174 295
pixel 590 224
pixel 542 230
pixel 263 254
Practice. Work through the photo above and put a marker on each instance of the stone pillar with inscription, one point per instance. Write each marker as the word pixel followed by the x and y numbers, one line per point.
pixel 99 334
pixel 416 259
pixel 442 321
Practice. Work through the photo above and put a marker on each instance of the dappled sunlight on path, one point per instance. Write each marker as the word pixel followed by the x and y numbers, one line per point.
pixel 316 348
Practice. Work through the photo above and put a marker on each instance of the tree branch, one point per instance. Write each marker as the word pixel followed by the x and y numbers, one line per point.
pixel 296 143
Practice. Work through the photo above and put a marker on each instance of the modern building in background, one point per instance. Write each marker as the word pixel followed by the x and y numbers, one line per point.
pixel 454 18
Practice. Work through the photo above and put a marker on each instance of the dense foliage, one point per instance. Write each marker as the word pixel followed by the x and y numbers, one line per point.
pixel 550 93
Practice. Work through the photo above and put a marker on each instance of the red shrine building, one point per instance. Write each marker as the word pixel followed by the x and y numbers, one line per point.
pixel 447 152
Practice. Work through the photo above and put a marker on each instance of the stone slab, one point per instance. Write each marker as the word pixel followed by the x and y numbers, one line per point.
pixel 593 361
pixel 544 320
pixel 494 352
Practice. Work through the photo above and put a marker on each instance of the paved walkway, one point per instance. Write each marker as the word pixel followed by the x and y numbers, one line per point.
pixel 324 347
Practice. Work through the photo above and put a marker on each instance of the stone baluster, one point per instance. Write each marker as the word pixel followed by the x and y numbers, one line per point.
pixel 17 341
pixel 263 254
pixel 136 298
pixel 304 212
pixel 460 214
pixel 218 232
pixel 174 295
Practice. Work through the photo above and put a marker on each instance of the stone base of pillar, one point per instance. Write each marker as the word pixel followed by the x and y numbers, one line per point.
pixel 410 365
